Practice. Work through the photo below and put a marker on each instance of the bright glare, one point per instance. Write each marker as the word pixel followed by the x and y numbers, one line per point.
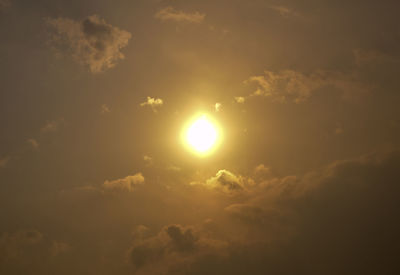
pixel 202 135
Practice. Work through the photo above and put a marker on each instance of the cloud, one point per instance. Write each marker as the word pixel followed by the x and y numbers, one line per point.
pixel 91 42
pixel 154 103
pixel 4 161
pixel 218 107
pixel 262 169
pixel 170 14
pixel 338 216
pixel 126 184
pixel 225 180
pixel 33 142
pixel 240 99
pixel 289 85
pixel 172 250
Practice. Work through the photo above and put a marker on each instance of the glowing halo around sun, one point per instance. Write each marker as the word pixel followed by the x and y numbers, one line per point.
pixel 202 135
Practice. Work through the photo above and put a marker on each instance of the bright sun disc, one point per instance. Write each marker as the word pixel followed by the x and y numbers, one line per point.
pixel 202 135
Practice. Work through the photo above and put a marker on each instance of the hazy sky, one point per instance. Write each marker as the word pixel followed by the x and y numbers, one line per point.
pixel 95 178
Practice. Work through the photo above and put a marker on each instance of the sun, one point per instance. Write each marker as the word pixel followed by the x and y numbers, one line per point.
pixel 202 135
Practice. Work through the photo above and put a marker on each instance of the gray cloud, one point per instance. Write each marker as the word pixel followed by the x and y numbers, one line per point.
pixel 91 42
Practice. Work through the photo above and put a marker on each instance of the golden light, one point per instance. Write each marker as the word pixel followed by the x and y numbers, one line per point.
pixel 202 135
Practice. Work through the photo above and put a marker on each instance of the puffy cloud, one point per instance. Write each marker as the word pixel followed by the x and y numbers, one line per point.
pixel 154 103
pixel 91 42
pixel 225 180
pixel 171 14
pixel 126 184
pixel 339 217
pixel 289 85
pixel 262 169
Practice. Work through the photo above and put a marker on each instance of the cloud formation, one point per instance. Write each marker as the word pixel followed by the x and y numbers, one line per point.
pixel 125 184
pixel 154 103
pixel 91 42
pixel 225 180
pixel 289 85
pixel 171 14
pixel 339 215
pixel 174 249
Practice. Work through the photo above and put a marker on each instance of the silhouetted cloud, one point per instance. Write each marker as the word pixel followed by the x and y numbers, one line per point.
pixel 91 42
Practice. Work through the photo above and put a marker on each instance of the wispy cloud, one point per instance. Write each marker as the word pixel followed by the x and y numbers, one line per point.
pixel 171 14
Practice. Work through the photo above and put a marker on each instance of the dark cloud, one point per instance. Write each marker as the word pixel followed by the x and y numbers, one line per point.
pixel 342 217
pixel 91 42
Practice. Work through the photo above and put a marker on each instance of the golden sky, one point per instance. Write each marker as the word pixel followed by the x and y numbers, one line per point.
pixel 199 137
